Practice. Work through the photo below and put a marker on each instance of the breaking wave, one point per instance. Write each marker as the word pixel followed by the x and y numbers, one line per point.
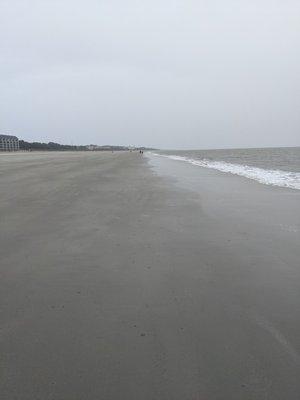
pixel 268 177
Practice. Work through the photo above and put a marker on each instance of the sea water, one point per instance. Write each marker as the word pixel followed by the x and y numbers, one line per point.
pixel 270 166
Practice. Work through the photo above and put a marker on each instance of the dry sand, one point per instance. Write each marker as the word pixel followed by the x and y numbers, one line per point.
pixel 120 282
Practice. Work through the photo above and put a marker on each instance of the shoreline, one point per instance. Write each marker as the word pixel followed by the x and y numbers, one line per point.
pixel 271 177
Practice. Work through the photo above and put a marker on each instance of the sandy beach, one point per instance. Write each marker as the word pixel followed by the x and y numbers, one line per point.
pixel 125 277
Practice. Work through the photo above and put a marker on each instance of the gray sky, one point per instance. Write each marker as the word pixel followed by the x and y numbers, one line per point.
pixel 170 74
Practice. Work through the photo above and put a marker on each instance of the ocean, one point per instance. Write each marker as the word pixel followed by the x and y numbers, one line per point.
pixel 270 166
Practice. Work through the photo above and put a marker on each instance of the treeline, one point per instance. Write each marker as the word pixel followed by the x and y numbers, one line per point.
pixel 49 146
pixel 52 146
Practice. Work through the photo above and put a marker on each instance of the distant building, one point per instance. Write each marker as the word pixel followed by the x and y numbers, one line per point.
pixel 92 147
pixel 9 143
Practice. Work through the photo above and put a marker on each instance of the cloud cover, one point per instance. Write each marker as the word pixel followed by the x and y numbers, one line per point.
pixel 172 74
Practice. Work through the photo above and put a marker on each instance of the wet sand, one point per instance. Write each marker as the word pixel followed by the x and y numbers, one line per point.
pixel 124 278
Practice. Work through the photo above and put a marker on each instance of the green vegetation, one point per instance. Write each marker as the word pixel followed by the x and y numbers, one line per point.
pixel 51 146
pixel 48 146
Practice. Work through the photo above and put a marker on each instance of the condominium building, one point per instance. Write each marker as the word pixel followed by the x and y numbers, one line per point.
pixel 9 143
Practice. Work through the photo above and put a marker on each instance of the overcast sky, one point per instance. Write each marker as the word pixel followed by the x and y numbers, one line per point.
pixel 169 74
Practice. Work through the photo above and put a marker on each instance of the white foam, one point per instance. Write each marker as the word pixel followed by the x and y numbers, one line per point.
pixel 265 176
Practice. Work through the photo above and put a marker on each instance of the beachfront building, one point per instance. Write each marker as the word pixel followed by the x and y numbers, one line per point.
pixel 9 143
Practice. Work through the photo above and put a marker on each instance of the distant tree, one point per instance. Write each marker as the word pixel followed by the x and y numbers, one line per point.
pixel 52 146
